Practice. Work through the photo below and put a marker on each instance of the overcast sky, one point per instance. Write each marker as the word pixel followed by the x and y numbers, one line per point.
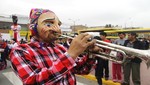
pixel 87 12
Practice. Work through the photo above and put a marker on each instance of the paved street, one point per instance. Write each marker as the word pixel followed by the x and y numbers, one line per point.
pixel 84 81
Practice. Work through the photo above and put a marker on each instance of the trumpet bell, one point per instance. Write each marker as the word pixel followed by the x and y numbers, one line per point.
pixel 142 54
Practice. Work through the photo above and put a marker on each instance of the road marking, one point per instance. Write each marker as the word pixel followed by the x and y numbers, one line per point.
pixel 78 83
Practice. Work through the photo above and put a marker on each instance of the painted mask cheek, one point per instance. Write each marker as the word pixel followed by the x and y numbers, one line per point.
pixel 43 30
pixel 44 33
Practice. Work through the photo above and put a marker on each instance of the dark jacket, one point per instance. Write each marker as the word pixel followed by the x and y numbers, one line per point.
pixel 137 45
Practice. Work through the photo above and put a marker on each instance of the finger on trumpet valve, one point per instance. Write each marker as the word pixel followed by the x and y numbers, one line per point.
pixel 90 39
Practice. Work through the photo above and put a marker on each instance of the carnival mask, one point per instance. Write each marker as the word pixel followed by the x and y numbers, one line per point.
pixel 44 24
pixel 48 26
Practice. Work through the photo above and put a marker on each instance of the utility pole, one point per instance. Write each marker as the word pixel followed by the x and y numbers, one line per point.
pixel 74 24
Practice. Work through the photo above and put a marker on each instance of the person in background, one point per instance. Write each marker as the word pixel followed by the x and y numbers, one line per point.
pixel 16 28
pixel 132 63
pixel 116 67
pixel 98 68
pixel 102 68
pixel 41 62
pixel 105 66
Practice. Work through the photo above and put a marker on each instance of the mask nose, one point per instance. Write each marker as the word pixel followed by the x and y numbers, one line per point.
pixel 57 28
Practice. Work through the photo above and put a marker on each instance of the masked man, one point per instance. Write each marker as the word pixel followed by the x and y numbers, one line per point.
pixel 41 62
pixel 16 28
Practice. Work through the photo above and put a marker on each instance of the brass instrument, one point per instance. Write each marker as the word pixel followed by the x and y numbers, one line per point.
pixel 125 51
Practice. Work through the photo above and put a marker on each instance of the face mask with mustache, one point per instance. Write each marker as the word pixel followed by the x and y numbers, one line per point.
pixel 46 25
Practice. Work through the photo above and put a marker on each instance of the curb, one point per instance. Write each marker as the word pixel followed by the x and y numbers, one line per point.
pixel 105 82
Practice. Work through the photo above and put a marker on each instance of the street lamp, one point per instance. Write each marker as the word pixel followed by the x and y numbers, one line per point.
pixel 130 21
pixel 126 22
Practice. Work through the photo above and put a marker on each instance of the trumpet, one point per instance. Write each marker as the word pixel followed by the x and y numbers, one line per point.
pixel 125 51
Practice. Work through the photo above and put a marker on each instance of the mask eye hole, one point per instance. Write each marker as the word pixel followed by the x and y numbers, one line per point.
pixel 48 24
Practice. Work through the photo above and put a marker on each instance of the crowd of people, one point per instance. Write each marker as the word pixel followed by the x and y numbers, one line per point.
pixel 131 63
pixel 49 59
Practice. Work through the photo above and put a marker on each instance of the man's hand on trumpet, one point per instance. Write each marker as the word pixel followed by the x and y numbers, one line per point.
pixel 80 43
